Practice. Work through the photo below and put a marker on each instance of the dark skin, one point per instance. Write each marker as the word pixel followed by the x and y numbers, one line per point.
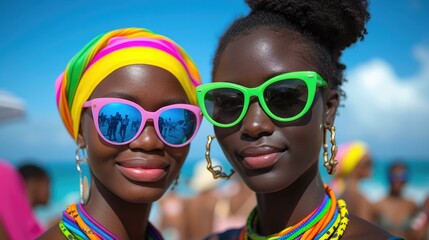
pixel 116 202
pixel 38 189
pixel 291 188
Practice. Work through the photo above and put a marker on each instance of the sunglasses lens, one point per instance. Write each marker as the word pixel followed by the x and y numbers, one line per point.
pixel 224 105
pixel 177 125
pixel 119 122
pixel 286 98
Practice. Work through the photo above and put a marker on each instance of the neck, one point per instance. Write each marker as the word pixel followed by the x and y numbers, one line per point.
pixel 394 193
pixel 287 207
pixel 124 219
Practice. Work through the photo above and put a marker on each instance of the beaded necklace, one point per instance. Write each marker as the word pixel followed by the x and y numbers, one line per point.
pixel 328 221
pixel 77 224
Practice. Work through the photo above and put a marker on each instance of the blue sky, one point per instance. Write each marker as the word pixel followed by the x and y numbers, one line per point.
pixel 387 104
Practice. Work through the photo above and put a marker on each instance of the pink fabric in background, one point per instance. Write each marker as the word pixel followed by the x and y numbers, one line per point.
pixel 16 214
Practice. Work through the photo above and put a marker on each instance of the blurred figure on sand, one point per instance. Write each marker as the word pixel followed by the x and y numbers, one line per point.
pixel 199 209
pixel 354 164
pixel 37 183
pixel 171 208
pixel 235 203
pixel 394 212
pixel 17 220
pixel 211 208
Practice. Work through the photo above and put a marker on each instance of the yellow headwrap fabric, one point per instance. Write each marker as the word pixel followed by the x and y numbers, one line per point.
pixel 114 50
pixel 349 155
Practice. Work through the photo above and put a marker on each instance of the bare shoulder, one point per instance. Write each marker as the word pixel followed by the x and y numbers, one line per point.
pixel 380 202
pixel 411 203
pixel 359 228
pixel 52 233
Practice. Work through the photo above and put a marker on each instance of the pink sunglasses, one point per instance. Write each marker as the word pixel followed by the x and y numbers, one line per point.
pixel 119 121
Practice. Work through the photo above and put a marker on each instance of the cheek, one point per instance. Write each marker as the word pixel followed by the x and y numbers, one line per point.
pixel 227 139
pixel 306 140
pixel 98 152
pixel 179 155
pixel 97 148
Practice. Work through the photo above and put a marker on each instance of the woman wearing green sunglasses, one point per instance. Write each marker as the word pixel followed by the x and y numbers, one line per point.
pixel 275 93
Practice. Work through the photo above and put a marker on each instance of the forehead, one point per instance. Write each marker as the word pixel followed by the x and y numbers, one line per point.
pixel 149 86
pixel 263 54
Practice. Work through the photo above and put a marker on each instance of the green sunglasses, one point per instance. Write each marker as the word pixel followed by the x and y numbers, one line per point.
pixel 285 98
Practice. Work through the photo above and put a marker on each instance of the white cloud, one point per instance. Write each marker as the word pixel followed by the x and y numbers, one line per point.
pixel 390 111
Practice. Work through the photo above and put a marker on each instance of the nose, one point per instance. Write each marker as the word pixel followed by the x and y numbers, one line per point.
pixel 148 139
pixel 256 123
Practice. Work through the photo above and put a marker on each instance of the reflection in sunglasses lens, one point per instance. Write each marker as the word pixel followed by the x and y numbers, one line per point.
pixel 286 98
pixel 119 122
pixel 224 105
pixel 177 125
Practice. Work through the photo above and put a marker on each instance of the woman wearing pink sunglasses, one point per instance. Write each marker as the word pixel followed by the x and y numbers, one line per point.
pixel 128 99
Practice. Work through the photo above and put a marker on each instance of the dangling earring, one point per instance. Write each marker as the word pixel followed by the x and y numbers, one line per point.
pixel 81 161
pixel 215 170
pixel 330 164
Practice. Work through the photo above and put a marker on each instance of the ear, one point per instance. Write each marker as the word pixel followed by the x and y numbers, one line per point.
pixel 331 105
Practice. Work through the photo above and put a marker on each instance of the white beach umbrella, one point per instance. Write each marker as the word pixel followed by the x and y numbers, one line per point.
pixel 11 106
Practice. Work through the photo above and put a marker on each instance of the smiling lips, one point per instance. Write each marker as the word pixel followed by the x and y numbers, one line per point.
pixel 260 157
pixel 143 171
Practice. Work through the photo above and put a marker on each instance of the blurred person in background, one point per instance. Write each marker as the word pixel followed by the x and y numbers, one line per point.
pixel 17 220
pixel 171 210
pixel 394 212
pixel 354 164
pixel 211 208
pixel 199 209
pixel 235 203
pixel 37 183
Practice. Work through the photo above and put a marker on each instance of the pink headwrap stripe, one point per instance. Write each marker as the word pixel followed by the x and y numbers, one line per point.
pixel 58 86
pixel 120 43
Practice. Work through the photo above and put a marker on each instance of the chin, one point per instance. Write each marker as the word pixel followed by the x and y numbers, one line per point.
pixel 266 182
pixel 146 199
pixel 143 195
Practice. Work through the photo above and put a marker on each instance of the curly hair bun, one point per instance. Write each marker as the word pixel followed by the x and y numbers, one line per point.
pixel 336 23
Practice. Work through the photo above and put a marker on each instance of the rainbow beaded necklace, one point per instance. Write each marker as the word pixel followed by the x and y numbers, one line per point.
pixel 77 224
pixel 328 221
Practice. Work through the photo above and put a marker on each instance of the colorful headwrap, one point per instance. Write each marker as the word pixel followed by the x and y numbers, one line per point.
pixel 348 156
pixel 113 50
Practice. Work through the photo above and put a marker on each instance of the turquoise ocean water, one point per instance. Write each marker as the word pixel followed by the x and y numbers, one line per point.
pixel 65 185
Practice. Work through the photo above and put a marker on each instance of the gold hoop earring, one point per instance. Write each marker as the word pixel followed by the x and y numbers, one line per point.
pixel 330 163
pixel 215 170
pixel 81 161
